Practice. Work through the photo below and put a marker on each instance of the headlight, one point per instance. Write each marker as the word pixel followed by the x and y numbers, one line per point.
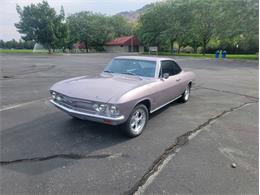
pixel 113 110
pixel 106 109
pixel 53 95
pixel 56 96
pixel 100 107
pixel 95 106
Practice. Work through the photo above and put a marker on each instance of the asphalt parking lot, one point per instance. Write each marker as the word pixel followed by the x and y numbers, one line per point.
pixel 185 149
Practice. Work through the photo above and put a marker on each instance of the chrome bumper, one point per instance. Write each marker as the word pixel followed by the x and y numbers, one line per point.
pixel 92 117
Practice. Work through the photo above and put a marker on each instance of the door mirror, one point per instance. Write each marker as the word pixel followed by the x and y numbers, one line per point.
pixel 166 75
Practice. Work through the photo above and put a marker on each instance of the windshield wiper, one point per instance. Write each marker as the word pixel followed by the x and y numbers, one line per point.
pixel 132 73
pixel 109 71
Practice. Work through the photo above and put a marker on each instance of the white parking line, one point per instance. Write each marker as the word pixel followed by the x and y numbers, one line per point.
pixel 13 106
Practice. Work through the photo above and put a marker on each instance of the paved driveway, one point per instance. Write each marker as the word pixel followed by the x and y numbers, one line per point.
pixel 186 148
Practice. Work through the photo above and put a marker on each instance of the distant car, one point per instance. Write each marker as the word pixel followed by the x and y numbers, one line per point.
pixel 125 93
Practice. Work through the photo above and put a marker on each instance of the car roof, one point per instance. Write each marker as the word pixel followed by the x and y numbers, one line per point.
pixel 148 58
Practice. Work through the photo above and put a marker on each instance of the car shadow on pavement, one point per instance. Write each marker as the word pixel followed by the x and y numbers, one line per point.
pixel 158 112
pixel 54 141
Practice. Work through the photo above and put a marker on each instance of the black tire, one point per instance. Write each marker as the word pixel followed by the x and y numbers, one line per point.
pixel 129 129
pixel 185 97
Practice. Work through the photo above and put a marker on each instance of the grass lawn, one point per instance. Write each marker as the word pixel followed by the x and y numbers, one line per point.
pixel 16 51
pixel 244 56
pixel 229 56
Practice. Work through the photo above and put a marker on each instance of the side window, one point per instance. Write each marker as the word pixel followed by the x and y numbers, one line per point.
pixel 170 67
pixel 176 67
pixel 166 67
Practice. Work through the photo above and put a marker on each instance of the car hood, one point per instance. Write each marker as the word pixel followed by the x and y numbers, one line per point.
pixel 100 88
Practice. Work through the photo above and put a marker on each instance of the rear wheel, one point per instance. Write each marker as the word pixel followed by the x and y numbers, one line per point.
pixel 186 94
pixel 137 121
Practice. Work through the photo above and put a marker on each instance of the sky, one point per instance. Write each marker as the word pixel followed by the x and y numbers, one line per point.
pixel 9 16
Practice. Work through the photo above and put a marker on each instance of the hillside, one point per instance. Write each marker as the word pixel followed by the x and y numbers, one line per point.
pixel 134 15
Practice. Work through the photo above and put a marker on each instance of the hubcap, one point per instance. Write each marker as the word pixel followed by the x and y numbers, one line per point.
pixel 187 93
pixel 137 121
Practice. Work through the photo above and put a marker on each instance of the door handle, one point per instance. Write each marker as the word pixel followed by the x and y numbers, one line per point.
pixel 178 80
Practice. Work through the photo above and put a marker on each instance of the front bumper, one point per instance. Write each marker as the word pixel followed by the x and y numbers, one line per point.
pixel 89 116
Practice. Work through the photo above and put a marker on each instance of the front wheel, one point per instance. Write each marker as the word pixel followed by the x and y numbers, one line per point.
pixel 186 94
pixel 137 121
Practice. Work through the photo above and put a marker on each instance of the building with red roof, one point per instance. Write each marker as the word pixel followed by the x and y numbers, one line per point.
pixel 124 44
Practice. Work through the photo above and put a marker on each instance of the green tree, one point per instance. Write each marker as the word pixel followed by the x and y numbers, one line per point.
pixel 100 31
pixel 79 28
pixel 196 22
pixel 120 26
pixel 152 25
pixel 204 21
pixel 2 44
pixel 40 23
pixel 95 29
pixel 13 44
pixel 178 22
pixel 238 24
pixel 61 31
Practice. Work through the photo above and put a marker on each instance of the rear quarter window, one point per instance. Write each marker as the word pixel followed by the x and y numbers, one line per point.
pixel 170 67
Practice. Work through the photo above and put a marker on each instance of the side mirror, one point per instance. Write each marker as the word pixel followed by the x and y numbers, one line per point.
pixel 166 75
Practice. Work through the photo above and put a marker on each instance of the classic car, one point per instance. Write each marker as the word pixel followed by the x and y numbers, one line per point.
pixel 128 90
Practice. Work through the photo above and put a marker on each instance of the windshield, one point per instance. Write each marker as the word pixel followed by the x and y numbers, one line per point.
pixel 143 68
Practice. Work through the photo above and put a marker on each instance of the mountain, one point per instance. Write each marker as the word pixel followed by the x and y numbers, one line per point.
pixel 133 16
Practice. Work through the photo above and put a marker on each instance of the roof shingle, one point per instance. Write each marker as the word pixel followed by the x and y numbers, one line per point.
pixel 125 40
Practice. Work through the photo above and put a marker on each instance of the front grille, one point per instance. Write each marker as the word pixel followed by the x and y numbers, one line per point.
pixel 76 104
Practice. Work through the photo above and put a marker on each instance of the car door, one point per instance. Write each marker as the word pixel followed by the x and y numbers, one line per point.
pixel 169 87
pixel 178 78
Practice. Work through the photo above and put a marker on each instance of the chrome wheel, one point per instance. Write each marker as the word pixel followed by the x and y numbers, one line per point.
pixel 135 124
pixel 137 121
pixel 187 93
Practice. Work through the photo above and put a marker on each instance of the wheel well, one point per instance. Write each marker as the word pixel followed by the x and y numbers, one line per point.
pixel 147 103
pixel 190 84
